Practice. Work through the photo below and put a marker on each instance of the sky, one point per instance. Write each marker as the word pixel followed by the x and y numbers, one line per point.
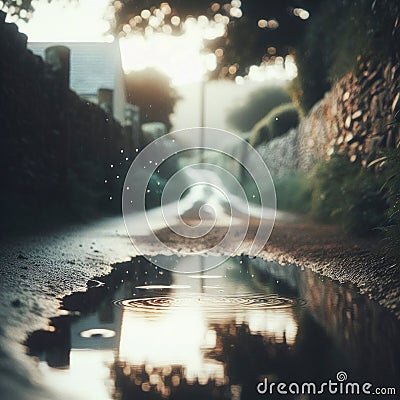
pixel 181 58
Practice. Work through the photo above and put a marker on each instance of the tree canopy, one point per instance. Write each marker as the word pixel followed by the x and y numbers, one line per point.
pixel 257 104
pixel 325 36
pixel 152 92
pixel 255 30
pixel 251 26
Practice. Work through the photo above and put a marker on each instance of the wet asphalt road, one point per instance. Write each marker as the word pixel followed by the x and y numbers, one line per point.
pixel 38 270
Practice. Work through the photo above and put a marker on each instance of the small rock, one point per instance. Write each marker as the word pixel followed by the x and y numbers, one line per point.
pixel 347 123
pixel 16 303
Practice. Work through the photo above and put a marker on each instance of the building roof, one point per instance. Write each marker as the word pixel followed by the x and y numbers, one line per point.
pixel 93 65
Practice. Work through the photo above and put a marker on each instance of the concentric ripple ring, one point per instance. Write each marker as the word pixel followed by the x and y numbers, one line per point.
pixel 209 303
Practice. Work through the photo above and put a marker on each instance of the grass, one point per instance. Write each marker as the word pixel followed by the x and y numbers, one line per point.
pixel 337 191
pixel 293 192
pixel 391 188
pixel 276 123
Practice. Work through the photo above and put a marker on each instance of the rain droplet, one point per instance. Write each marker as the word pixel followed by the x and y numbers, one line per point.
pixel 117 176
pixel 122 150
pixel 110 197
pixel 112 165
pixel 127 188
pixel 105 180
pixel 137 150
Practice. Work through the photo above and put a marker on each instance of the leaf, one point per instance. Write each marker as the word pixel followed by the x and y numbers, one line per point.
pixel 384 158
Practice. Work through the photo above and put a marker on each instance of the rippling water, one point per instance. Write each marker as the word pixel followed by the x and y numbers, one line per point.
pixel 212 304
pixel 146 333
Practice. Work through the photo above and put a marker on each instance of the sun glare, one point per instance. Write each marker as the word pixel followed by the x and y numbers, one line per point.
pixel 69 21
pixel 179 57
pixel 182 58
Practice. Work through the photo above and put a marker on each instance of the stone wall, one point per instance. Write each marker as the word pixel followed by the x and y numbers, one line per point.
pixel 354 118
pixel 278 153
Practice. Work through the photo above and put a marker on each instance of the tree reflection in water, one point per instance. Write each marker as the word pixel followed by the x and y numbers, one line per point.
pixel 214 336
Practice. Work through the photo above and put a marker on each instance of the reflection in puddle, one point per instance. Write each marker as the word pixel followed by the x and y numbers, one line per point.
pixel 92 333
pixel 153 334
pixel 213 304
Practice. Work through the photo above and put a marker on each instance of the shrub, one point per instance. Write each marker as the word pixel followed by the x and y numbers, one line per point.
pixel 293 192
pixel 259 103
pixel 345 193
pixel 336 34
pixel 341 192
pixel 276 123
pixel 391 187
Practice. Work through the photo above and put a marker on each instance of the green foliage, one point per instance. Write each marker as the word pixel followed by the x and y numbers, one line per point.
pixel 392 190
pixel 152 92
pixel 344 193
pixel 259 103
pixel 340 192
pixel 85 191
pixel 293 192
pixel 276 123
pixel 337 33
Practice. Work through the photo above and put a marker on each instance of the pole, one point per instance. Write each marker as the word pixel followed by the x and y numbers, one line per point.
pixel 202 143
pixel 202 118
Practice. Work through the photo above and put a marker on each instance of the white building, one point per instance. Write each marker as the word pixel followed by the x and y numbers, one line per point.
pixel 93 66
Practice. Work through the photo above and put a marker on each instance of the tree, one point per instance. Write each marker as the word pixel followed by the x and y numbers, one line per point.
pixel 19 9
pixel 258 103
pixel 151 91
pixel 339 34
pixel 246 39
pixel 325 36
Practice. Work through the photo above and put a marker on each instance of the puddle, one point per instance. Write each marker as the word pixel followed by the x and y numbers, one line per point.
pixel 147 333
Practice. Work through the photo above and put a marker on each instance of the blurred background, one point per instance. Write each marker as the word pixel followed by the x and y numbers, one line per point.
pixel 313 86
